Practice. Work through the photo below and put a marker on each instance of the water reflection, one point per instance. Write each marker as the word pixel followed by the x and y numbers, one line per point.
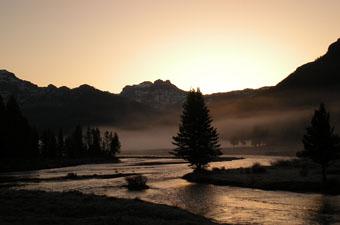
pixel 197 198
pixel 328 211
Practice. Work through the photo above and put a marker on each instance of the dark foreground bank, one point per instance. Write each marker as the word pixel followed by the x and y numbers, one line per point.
pixel 295 175
pixel 45 208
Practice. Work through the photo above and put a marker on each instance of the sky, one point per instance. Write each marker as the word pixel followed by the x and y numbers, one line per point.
pixel 217 45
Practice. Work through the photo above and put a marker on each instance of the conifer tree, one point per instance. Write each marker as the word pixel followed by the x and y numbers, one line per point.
pixel 18 131
pixel 88 140
pixel 48 144
pixel 60 143
pixel 197 140
pixel 321 144
pixel 68 147
pixel 115 144
pixel 12 115
pixel 76 145
pixel 96 142
pixel 107 141
pixel 2 127
pixel 33 147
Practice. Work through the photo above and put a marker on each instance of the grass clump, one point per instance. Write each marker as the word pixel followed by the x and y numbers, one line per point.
pixel 136 183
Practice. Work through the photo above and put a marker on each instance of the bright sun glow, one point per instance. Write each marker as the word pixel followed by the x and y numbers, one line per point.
pixel 212 66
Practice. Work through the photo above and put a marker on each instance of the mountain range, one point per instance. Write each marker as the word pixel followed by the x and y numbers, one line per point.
pixel 159 102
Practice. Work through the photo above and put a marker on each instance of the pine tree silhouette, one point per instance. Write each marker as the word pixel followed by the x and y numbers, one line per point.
pixel 106 141
pixel 33 147
pixel 49 144
pixel 96 142
pixel 114 145
pixel 18 131
pixel 2 127
pixel 321 144
pixel 75 143
pixel 60 144
pixel 197 140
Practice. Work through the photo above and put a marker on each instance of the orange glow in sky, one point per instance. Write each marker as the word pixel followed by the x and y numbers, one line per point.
pixel 217 45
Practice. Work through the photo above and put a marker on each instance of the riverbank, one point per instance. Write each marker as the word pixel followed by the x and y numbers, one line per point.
pixel 13 165
pixel 13 180
pixel 296 176
pixel 39 207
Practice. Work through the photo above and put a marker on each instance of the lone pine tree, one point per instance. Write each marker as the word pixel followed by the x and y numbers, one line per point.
pixel 321 144
pixel 197 140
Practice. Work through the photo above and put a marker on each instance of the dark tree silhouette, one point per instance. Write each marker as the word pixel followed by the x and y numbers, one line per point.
pixel 33 146
pixel 106 141
pixel 60 144
pixel 2 127
pixel 197 140
pixel 75 143
pixel 18 132
pixel 234 141
pixel 114 144
pixel 259 136
pixel 88 140
pixel 96 142
pixel 321 144
pixel 2 106
pixel 48 144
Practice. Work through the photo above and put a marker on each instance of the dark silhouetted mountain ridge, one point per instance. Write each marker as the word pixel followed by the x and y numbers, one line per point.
pixel 323 73
pixel 64 107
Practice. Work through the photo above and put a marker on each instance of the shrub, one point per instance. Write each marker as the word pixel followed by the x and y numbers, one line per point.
pixel 137 182
pixel 258 168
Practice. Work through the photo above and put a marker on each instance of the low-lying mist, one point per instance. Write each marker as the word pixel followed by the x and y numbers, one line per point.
pixel 254 122
pixel 269 129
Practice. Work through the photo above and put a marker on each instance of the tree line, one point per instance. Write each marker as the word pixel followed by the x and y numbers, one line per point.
pixel 266 135
pixel 257 137
pixel 18 139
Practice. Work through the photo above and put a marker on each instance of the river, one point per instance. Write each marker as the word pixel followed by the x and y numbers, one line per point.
pixel 222 204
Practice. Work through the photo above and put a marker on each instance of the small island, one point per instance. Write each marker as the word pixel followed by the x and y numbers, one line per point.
pixel 197 143
pixel 296 175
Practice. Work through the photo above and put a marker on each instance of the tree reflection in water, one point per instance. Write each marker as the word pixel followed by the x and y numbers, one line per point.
pixel 329 210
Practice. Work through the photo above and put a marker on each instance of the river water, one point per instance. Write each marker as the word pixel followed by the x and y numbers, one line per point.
pixel 222 204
